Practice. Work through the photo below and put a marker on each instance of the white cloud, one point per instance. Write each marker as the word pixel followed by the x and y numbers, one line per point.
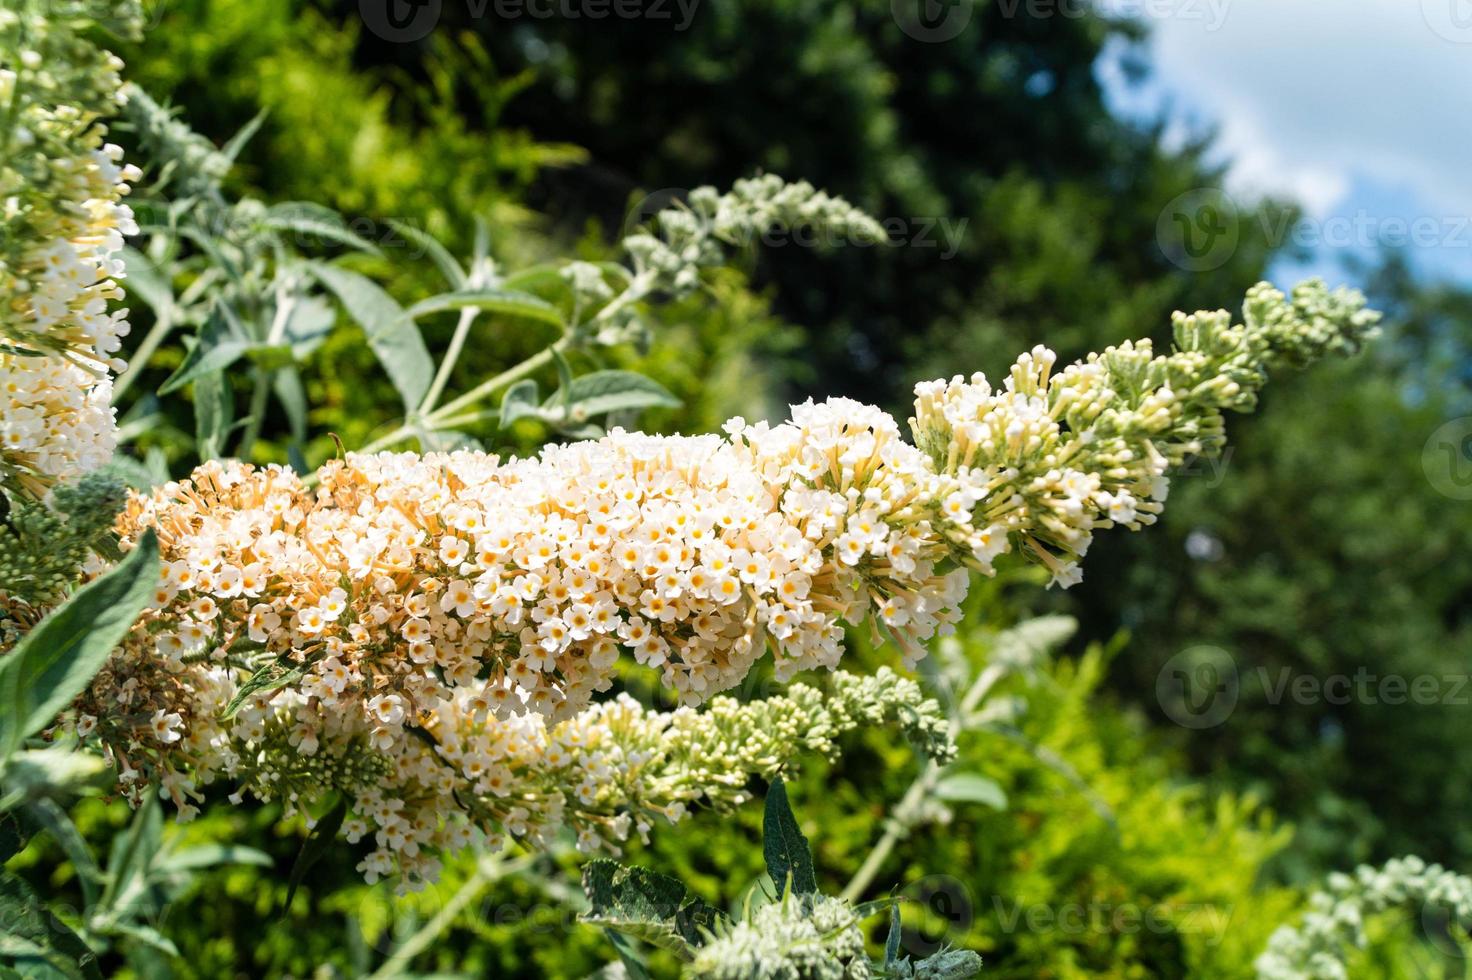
pixel 1312 95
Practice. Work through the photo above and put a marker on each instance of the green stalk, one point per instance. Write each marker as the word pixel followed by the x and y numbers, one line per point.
pixel 487 871
pixel 447 365
pixel 902 818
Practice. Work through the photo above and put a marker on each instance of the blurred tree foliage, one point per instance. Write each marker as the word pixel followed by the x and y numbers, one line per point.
pixel 1321 548
pixel 1026 210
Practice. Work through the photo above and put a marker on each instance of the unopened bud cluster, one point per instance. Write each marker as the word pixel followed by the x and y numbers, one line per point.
pixel 1338 916
pixel 1051 458
pixel 47 545
pixel 692 236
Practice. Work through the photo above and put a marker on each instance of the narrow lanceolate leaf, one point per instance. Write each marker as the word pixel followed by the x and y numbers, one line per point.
pixel 147 282
pixel 892 941
pixel 212 855
pixel 612 391
pixel 214 414
pixel 50 816
pixel 789 861
pixel 647 905
pixel 273 676
pixel 40 943
pixel 504 302
pixel 634 967
pixel 54 662
pixel 220 343
pixel 391 332
pixel 968 787
pixel 313 848
pixel 308 220
pixel 443 260
pixel 32 774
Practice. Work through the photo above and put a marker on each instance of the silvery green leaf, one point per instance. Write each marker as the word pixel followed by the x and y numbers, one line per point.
pixel 315 221
pixel 519 401
pixel 55 661
pixel 391 332
pixel 968 787
pixel 448 266
pixel 502 301
pixel 611 391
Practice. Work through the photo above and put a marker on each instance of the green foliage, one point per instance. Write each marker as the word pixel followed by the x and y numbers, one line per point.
pixel 789 860
pixel 798 935
pixel 648 906
pixel 57 658
pixel 1322 553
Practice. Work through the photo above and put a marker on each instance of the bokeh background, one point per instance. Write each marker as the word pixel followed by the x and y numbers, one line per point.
pixel 1269 685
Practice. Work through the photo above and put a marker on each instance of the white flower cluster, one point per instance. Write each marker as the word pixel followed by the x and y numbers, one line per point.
pixel 61 228
pixel 1336 919
pixel 305 639
pixel 411 576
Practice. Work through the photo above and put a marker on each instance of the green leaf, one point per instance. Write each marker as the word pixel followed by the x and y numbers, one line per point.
pixel 147 282
pixel 507 303
pixel 49 816
pixel 547 276
pixel 968 787
pixel 214 414
pixel 34 774
pixel 56 660
pixel 242 136
pixel 520 400
pixel 634 966
pixel 563 395
pixel 647 905
pixel 287 383
pixel 892 941
pixel 131 856
pixel 273 676
pixel 448 266
pixel 306 218
pixel 307 325
pixel 784 846
pixel 212 855
pixel 220 343
pixel 147 935
pixel 28 931
pixel 316 844
pixel 391 332
pixel 613 391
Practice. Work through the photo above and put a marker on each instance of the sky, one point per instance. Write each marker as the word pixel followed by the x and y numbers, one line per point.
pixel 1360 110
